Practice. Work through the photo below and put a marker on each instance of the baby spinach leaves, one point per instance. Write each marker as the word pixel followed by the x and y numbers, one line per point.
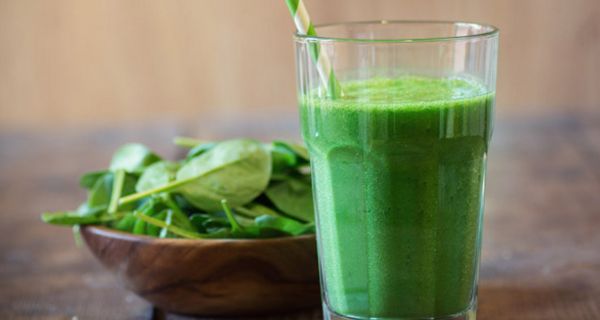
pixel 237 188
pixel 89 179
pixel 156 175
pixel 99 195
pixel 200 149
pixel 293 196
pixel 287 157
pixel 299 150
pixel 235 170
pixel 133 157
pixel 73 218
pixel 285 225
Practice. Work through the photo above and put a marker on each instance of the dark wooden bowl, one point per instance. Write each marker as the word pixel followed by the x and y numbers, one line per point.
pixel 212 277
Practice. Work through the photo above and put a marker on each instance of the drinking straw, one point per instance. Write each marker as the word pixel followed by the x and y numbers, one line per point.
pixel 305 27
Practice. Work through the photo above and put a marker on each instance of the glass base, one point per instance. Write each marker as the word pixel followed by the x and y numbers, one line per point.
pixel 468 314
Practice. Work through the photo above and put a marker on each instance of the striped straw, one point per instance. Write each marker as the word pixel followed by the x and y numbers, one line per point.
pixel 305 26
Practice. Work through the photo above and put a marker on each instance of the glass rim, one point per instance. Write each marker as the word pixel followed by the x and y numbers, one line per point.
pixel 491 31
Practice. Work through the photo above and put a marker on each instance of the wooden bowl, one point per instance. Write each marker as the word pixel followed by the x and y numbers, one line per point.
pixel 213 277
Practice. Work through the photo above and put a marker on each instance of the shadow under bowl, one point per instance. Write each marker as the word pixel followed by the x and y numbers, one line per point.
pixel 213 277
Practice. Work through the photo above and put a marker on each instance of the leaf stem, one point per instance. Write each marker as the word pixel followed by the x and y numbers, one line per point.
pixel 117 189
pixel 172 185
pixel 179 217
pixel 187 142
pixel 173 206
pixel 74 218
pixel 164 188
pixel 168 222
pixel 235 226
pixel 171 228
pixel 77 236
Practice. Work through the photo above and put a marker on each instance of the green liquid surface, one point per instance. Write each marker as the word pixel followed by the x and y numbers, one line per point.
pixel 398 168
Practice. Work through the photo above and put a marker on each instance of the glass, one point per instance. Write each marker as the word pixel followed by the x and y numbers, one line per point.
pixel 398 161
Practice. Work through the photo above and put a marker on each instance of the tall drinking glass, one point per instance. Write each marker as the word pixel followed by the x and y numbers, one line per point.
pixel 398 160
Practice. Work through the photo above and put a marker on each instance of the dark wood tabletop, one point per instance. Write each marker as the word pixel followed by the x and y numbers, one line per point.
pixel 541 248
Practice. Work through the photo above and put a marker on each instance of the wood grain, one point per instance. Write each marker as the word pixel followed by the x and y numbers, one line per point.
pixel 215 277
pixel 540 252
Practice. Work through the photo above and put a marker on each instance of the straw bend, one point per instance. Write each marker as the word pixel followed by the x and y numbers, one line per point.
pixel 306 27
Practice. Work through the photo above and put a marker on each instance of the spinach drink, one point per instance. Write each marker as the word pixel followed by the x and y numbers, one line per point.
pixel 398 157
pixel 398 194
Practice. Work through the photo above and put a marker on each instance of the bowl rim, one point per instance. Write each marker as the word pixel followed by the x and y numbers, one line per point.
pixel 121 235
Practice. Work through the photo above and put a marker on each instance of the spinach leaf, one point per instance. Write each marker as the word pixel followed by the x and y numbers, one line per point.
pixel 139 227
pixel 298 149
pixel 160 208
pixel 85 210
pixel 254 210
pixel 72 218
pixel 206 223
pixel 293 196
pixel 152 207
pixel 286 225
pixel 283 159
pixel 154 231
pixel 185 206
pixel 157 174
pixel 171 228
pixel 236 170
pixel 200 149
pixel 214 221
pixel 186 142
pixel 101 192
pixel 89 179
pixel 126 223
pixel 133 158
pixel 225 224
pixel 288 158
pixel 164 232
pixel 179 218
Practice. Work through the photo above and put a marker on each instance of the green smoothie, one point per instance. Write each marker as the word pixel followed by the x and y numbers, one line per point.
pixel 398 168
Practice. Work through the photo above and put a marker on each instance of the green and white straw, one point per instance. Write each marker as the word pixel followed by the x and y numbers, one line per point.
pixel 304 26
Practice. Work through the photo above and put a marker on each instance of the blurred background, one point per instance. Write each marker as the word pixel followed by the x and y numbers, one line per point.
pixel 73 63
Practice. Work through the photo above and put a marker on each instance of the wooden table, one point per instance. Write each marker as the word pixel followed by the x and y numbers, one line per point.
pixel 541 251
